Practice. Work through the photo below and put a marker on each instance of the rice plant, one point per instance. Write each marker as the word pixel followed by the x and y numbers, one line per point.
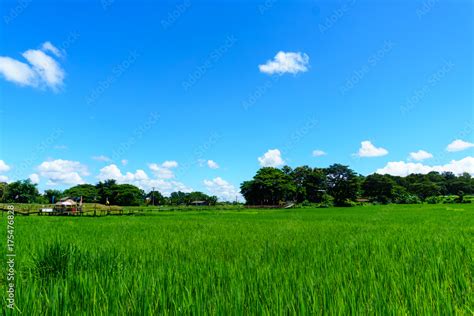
pixel 361 260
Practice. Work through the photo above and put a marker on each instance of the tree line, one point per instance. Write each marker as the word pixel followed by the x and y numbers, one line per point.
pixel 335 185
pixel 341 186
pixel 106 192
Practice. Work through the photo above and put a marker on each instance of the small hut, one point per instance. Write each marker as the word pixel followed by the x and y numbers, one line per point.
pixel 66 206
pixel 199 203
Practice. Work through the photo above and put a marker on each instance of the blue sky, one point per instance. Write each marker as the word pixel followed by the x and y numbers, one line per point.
pixel 190 94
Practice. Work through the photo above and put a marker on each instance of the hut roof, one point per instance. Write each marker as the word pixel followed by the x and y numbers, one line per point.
pixel 67 202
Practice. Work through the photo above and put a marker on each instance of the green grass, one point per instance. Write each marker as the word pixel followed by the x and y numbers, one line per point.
pixel 362 260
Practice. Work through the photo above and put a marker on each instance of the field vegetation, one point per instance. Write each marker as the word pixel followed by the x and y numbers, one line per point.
pixel 385 259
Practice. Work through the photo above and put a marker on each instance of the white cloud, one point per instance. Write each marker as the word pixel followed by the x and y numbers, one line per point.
pixel 4 179
pixel 63 172
pixel 17 72
pixel 48 47
pixel 113 172
pixel 124 162
pixel 222 189
pixel 286 63
pixel 420 155
pixel 318 153
pixel 459 145
pixel 141 180
pixel 46 67
pixel 101 158
pixel 34 177
pixel 401 168
pixel 4 167
pixel 42 70
pixel 212 164
pixel 272 158
pixel 169 164
pixel 163 171
pixel 367 149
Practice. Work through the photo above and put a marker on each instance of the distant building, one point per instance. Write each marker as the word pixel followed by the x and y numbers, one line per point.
pixel 199 203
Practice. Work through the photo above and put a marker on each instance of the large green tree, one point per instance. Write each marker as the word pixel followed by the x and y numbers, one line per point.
pixel 52 195
pixel 88 192
pixel 22 191
pixel 106 191
pixel 310 184
pixel 3 191
pixel 269 186
pixel 424 189
pixel 379 188
pixel 127 195
pixel 343 184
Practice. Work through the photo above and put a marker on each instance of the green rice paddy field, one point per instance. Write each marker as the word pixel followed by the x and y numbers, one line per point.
pixel 393 259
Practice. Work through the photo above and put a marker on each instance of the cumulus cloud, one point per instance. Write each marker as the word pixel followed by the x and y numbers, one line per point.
pixel 222 189
pixel 140 179
pixel 113 172
pixel 318 153
pixel 49 71
pixel 169 164
pixel 272 158
pixel 34 177
pixel 63 172
pixel 4 167
pixel 17 72
pixel 48 47
pixel 101 158
pixel 367 149
pixel 212 164
pixel 401 168
pixel 42 70
pixel 420 155
pixel 459 145
pixel 163 171
pixel 289 62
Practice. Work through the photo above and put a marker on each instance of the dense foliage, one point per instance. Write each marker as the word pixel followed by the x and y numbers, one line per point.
pixel 107 192
pixel 342 186
pixel 336 184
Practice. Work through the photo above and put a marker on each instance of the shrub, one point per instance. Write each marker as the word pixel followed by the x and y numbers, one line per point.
pixel 432 200
pixel 407 198
pixel 326 200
